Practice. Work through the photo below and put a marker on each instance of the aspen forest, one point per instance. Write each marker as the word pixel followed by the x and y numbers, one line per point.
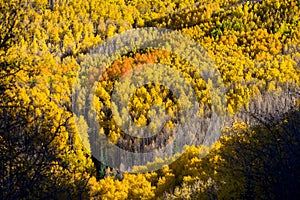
pixel 73 105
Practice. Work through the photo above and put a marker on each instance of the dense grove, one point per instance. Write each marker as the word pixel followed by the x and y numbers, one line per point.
pixel 46 151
